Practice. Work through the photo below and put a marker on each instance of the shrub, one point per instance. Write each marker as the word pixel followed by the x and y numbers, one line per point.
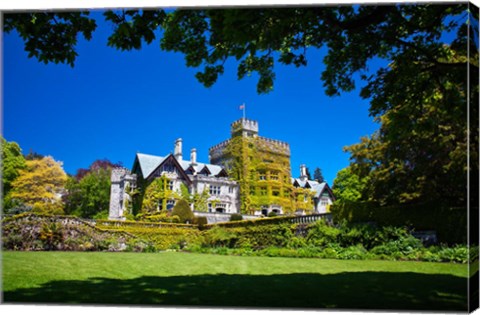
pixel 352 252
pixel 18 208
pixel 353 234
pixel 236 217
pixel 51 234
pixel 322 234
pixel 162 217
pixel 103 215
pixel 272 214
pixel 200 221
pixel 427 216
pixel 458 254
pixel 296 242
pixel 220 237
pixel 183 211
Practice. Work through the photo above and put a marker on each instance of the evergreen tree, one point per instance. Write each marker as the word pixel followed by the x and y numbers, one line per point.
pixel 318 176
pixel 183 211
pixel 307 171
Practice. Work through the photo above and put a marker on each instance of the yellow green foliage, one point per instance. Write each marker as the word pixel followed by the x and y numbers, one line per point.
pixel 183 211
pixel 162 235
pixel 157 191
pixel 163 216
pixel 262 169
pixel 40 184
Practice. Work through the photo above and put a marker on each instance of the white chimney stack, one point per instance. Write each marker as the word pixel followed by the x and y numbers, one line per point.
pixel 303 172
pixel 178 149
pixel 193 156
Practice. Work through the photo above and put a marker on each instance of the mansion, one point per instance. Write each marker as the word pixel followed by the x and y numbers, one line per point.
pixel 247 174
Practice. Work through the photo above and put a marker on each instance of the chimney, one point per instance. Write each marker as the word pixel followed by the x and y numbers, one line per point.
pixel 303 172
pixel 193 156
pixel 178 149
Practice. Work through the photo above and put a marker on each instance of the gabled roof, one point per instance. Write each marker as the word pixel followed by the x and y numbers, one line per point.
pixel 172 159
pixel 205 171
pixel 317 187
pixel 149 163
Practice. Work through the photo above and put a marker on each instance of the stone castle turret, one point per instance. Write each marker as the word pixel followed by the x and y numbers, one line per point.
pixel 122 182
pixel 265 167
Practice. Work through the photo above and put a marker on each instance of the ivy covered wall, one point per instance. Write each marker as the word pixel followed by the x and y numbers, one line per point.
pixel 261 166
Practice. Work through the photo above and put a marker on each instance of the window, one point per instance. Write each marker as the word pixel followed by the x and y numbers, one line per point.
pixel 214 190
pixel 275 193
pixel 262 176
pixel 170 185
pixel 274 177
pixel 170 204
pixel 263 191
pixel 230 190
pixel 209 207
pixel 168 168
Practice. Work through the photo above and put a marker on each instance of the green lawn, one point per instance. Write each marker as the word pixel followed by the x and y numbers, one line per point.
pixel 170 278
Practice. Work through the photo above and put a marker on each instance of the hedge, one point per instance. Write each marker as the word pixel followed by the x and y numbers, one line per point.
pixel 254 222
pixel 113 223
pixel 161 238
pixel 450 223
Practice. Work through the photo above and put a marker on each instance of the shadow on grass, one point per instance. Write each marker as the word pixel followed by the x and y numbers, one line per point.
pixel 349 290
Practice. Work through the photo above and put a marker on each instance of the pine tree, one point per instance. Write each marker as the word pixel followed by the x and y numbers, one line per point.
pixel 318 176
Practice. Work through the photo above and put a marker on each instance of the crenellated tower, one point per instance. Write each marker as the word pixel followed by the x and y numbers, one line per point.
pixel 260 165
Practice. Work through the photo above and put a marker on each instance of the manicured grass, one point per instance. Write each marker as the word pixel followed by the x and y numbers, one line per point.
pixel 171 278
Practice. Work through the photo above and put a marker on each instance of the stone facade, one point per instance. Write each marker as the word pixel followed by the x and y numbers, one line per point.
pixel 198 178
pixel 122 183
pixel 248 174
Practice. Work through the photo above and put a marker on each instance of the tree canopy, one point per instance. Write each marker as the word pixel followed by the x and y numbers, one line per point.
pixel 259 37
pixel 418 93
pixel 12 162
pixel 40 185
pixel 88 192
pixel 348 186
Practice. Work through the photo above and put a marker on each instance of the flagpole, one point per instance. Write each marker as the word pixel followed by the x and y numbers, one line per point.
pixel 243 111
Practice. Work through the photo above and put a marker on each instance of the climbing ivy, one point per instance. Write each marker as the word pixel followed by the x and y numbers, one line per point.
pixel 262 169
pixel 158 192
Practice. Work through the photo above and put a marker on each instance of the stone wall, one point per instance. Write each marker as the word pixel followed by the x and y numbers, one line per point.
pixel 213 217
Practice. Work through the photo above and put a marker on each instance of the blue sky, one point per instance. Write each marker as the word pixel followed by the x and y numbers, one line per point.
pixel 113 104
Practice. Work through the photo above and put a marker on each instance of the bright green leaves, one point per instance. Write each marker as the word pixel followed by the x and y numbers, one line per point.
pixel 420 151
pixel 12 162
pixel 348 186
